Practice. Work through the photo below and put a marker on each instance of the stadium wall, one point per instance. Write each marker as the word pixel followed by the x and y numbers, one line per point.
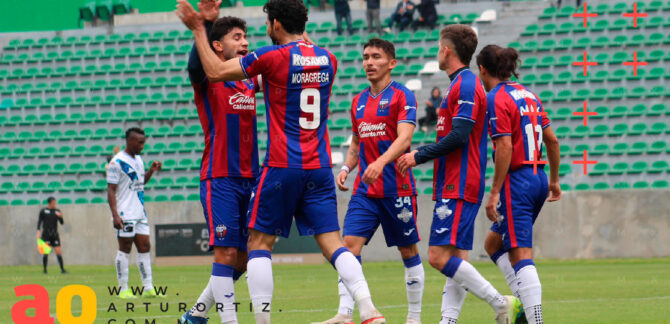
pixel 583 225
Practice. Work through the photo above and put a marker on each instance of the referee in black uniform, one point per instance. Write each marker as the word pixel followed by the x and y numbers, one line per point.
pixel 49 219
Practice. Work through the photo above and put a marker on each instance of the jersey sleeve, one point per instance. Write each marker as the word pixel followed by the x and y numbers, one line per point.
pixel 354 124
pixel 113 173
pixel 407 106
pixel 40 219
pixel 465 106
pixel 499 115
pixel 258 62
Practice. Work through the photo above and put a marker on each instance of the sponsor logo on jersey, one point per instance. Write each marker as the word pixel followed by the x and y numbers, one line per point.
pixel 313 77
pixel 405 215
pixel 519 94
pixel 221 231
pixel 240 101
pixel 371 130
pixel 299 60
pixel 440 123
pixel 360 107
pixel 410 107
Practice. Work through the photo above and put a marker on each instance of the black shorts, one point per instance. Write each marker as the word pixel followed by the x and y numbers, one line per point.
pixel 52 240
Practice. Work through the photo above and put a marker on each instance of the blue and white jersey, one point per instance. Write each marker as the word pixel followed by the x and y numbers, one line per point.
pixel 127 173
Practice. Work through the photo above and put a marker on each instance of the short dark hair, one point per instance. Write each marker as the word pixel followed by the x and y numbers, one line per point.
pixel 224 25
pixel 499 62
pixel 384 45
pixel 134 130
pixel 292 14
pixel 50 199
pixel 464 39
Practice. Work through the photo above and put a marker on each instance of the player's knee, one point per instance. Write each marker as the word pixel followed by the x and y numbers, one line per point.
pixel 225 255
pixel 436 260
pixel 408 251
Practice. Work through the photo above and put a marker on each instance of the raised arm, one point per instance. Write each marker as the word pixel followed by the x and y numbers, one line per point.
pixel 215 69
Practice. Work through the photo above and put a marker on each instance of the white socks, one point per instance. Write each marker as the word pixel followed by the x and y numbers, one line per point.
pixel 122 269
pixel 467 276
pixel 223 290
pixel 347 303
pixel 351 272
pixel 205 301
pixel 530 290
pixel 501 259
pixel 453 297
pixel 144 264
pixel 259 272
pixel 414 280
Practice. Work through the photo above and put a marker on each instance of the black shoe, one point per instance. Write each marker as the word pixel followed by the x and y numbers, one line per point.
pixel 45 271
pixel 63 271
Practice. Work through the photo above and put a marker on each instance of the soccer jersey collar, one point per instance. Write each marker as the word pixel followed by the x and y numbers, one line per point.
pixel 455 74
pixel 380 92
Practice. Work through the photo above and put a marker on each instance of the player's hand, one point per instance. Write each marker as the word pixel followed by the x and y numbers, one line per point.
pixel 373 172
pixel 192 19
pixel 492 206
pixel 554 193
pixel 117 222
pixel 406 161
pixel 306 38
pixel 341 179
pixel 156 165
pixel 209 9
pixel 38 234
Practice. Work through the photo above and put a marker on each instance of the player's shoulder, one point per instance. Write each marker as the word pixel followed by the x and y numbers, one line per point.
pixel 402 90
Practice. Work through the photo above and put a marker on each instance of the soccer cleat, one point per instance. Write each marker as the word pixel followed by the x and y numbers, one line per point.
pixel 151 293
pixel 127 294
pixel 376 318
pixel 521 314
pixel 508 315
pixel 189 319
pixel 412 321
pixel 338 319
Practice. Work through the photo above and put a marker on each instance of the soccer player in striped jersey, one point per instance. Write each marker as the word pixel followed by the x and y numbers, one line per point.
pixel 229 167
pixel 296 181
pixel 518 127
pixel 460 162
pixel 383 117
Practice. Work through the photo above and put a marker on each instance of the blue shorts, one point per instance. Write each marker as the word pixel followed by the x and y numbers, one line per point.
pixel 521 199
pixel 397 215
pixel 225 202
pixel 453 223
pixel 282 193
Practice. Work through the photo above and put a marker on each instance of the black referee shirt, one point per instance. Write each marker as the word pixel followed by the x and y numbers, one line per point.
pixel 49 219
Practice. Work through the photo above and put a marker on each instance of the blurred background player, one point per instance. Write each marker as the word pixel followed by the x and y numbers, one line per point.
pixel 518 190
pixel 125 193
pixel 297 179
pixel 383 118
pixel 342 11
pixel 403 15
pixel 229 167
pixel 48 222
pixel 460 162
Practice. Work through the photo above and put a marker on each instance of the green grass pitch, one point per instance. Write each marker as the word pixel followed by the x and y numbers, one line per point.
pixel 584 291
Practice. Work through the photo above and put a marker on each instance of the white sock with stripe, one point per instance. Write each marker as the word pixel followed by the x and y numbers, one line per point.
pixel 144 265
pixel 530 290
pixel 261 285
pixel 122 269
pixel 414 280
pixel 453 297
pixel 501 259
pixel 467 276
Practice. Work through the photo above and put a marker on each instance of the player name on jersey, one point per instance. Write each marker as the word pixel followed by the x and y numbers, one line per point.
pixel 313 77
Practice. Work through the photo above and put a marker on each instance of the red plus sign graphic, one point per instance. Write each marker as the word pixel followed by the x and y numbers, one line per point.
pixel 584 63
pixel 635 63
pixel 585 113
pixel 532 113
pixel 535 163
pixel 635 15
pixel 585 162
pixel 586 15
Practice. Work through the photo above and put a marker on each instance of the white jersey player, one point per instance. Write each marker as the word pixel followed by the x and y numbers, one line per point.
pixel 125 184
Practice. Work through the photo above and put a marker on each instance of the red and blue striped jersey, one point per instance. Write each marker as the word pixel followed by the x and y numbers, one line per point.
pixel 460 174
pixel 297 80
pixel 227 112
pixel 375 120
pixel 509 105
